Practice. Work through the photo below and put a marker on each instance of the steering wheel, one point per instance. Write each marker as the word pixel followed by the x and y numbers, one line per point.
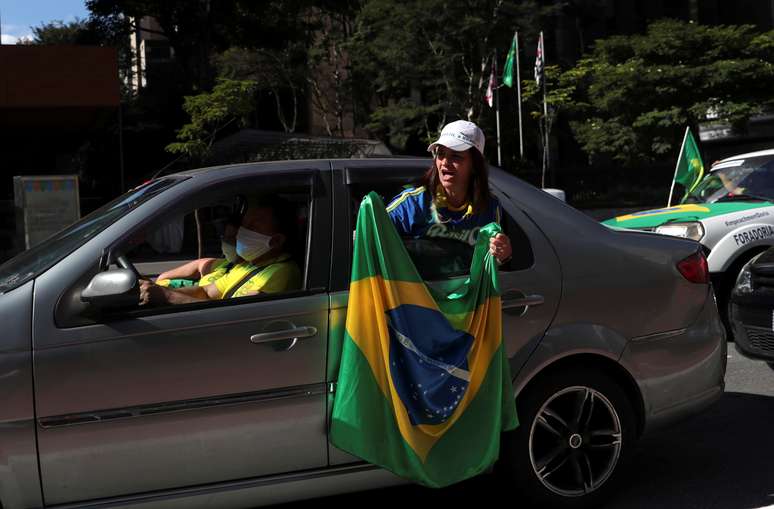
pixel 124 263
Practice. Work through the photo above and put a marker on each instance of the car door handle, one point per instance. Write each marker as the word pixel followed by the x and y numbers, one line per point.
pixel 526 301
pixel 295 334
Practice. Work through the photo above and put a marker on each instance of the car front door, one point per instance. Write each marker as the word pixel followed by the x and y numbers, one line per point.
pixel 182 396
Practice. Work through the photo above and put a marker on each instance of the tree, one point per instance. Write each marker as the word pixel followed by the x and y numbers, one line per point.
pixel 559 91
pixel 59 32
pixel 92 31
pixel 230 103
pixel 198 29
pixel 633 96
pixel 311 62
pixel 427 61
pixel 278 72
pixel 328 79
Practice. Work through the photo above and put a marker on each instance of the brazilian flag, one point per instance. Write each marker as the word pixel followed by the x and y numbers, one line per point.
pixel 424 388
pixel 690 167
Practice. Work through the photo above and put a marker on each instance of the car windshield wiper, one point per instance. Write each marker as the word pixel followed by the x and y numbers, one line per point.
pixel 747 197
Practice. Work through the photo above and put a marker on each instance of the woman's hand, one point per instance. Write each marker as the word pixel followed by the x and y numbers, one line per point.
pixel 500 247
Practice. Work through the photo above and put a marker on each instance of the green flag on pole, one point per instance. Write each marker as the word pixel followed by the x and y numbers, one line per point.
pixel 690 167
pixel 509 62
pixel 424 388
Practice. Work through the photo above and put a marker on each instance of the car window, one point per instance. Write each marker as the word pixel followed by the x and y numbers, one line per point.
pixel 751 178
pixel 172 249
pixel 444 258
pixel 182 237
pixel 522 256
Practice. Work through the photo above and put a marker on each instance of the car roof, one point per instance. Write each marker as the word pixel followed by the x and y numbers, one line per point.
pixel 747 155
pixel 370 163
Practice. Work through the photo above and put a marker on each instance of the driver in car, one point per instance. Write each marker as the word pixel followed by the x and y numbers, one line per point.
pixel 262 243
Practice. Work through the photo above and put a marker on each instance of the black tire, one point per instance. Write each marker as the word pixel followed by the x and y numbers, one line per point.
pixel 724 285
pixel 586 465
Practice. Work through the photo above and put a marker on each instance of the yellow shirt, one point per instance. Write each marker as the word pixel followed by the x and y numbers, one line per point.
pixel 280 274
pixel 220 268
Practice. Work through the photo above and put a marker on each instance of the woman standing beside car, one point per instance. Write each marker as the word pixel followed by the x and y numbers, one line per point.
pixel 453 200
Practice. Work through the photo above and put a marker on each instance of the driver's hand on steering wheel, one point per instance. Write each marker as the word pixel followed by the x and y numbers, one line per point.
pixel 151 293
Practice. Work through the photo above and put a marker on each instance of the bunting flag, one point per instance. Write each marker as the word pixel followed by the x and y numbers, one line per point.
pixel 424 387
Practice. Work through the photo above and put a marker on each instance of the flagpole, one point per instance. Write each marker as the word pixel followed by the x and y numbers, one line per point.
pixel 497 111
pixel 518 95
pixel 545 111
pixel 677 165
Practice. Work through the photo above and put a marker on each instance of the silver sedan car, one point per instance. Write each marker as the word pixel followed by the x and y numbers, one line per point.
pixel 226 403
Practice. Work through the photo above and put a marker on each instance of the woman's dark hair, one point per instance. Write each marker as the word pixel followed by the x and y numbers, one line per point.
pixel 478 190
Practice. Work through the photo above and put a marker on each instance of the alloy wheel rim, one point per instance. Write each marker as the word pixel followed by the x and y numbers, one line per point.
pixel 575 441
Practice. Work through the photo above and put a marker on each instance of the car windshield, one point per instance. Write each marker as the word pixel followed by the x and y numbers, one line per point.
pixel 32 262
pixel 740 179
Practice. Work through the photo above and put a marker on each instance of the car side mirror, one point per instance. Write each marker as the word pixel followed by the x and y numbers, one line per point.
pixel 112 288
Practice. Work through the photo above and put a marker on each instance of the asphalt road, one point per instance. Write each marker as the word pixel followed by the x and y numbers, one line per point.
pixel 723 458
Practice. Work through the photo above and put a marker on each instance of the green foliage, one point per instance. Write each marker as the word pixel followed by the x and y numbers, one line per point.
pixel 59 32
pixel 230 102
pixel 632 97
pixel 426 62
pixel 332 90
pixel 400 120
pixel 560 91
pixel 196 30
pixel 401 69
pixel 278 72
pixel 92 31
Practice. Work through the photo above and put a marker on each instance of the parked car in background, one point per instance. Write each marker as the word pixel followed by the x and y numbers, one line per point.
pixel 752 308
pixel 730 211
pixel 609 334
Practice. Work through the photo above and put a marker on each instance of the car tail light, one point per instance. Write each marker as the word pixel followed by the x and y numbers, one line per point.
pixel 694 268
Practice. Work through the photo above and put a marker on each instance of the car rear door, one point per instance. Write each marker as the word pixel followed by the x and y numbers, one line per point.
pixel 182 397
pixel 530 283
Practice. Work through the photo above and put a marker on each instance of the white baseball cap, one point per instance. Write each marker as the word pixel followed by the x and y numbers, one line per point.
pixel 460 135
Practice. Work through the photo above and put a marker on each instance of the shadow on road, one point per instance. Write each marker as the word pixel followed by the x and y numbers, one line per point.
pixel 723 458
pixel 719 459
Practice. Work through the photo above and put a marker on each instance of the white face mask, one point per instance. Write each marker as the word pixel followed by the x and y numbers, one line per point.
pixel 229 251
pixel 251 245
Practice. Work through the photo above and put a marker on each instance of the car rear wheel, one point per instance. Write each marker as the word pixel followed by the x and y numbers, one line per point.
pixel 575 433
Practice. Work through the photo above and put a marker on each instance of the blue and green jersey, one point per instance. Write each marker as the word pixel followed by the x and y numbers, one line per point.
pixel 415 214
